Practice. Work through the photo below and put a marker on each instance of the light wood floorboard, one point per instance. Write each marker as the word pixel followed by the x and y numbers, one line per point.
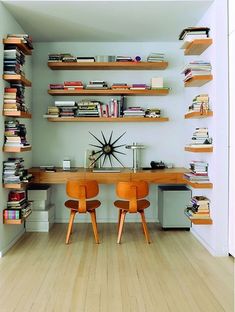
pixel 173 273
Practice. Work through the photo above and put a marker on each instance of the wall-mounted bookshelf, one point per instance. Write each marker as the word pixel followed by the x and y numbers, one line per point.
pixel 16 221
pixel 110 92
pixel 104 119
pixel 198 185
pixel 16 186
pixel 13 149
pixel 18 114
pixel 199 221
pixel 199 149
pixel 198 81
pixel 198 115
pixel 19 78
pixel 198 46
pixel 19 43
pixel 108 65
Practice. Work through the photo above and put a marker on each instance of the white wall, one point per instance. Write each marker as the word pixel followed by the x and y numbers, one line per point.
pixel 214 237
pixel 54 141
pixel 9 233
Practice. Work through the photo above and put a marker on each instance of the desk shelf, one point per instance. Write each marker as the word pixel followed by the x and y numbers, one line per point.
pixel 104 119
pixel 19 43
pixel 146 92
pixel 198 46
pixel 19 78
pixel 198 81
pixel 107 65
pixel 12 149
pixel 206 149
pixel 18 114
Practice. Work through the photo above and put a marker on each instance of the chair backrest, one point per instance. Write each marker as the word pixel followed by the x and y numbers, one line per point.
pixel 82 190
pixel 132 191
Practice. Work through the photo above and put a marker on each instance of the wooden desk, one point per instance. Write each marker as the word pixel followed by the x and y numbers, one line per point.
pixel 162 176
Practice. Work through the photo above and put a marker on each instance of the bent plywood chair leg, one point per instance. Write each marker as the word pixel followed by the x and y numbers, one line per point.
pixel 94 226
pixel 122 219
pixel 71 219
pixel 146 232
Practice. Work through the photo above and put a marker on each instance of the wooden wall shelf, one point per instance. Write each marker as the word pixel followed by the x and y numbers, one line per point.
pixel 199 185
pixel 109 92
pixel 12 149
pixel 200 221
pixel 104 119
pixel 19 43
pixel 19 78
pixel 16 186
pixel 108 65
pixel 199 149
pixel 18 114
pixel 198 81
pixel 197 46
pixel 18 221
pixel 198 115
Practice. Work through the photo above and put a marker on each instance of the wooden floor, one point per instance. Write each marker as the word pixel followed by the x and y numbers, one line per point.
pixel 174 273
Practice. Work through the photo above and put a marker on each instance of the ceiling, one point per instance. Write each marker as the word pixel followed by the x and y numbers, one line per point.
pixel 106 21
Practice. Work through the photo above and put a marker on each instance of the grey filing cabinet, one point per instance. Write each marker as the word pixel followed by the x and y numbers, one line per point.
pixel 172 200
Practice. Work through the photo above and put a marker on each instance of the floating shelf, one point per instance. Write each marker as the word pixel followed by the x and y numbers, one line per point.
pixel 197 46
pixel 16 186
pixel 198 115
pixel 13 149
pixel 199 149
pixel 198 81
pixel 200 221
pixel 104 119
pixel 199 185
pixel 19 78
pixel 18 114
pixel 19 43
pixel 107 65
pixel 109 92
pixel 17 221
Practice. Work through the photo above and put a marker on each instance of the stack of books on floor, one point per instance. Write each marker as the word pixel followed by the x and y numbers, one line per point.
pixel 13 170
pixel 196 68
pixel 156 57
pixel 191 33
pixel 199 208
pixel 73 85
pixel 122 58
pixel 134 111
pixel 18 206
pixel 13 100
pixel 201 138
pixel 52 112
pixel 15 134
pixel 27 39
pixel 199 172
pixel 153 113
pixel 200 104
pixel 139 86
pixel 97 85
pixel 13 60
pixel 66 108
pixel 89 108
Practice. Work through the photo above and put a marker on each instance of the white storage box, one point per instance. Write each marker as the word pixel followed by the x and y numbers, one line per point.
pixel 40 204
pixel 39 192
pixel 40 221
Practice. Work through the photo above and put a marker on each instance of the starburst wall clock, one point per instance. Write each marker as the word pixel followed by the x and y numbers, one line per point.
pixel 107 149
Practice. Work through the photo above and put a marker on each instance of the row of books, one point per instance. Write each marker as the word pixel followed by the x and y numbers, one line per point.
pixel 199 172
pixel 199 208
pixel 200 104
pixel 191 33
pixel 67 57
pixel 17 214
pixel 14 171
pixel 15 134
pixel 196 68
pixel 201 138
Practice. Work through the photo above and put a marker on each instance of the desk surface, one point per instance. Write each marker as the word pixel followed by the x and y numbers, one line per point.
pixel 168 176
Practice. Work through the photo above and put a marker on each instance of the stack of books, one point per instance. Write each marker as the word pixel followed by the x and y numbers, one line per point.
pixel 89 59
pixel 139 86
pixel 66 108
pixel 15 134
pixel 196 68
pixel 69 58
pixel 52 112
pixel 121 58
pixel 97 84
pixel 156 57
pixel 199 172
pixel 17 206
pixel 55 57
pixel 27 39
pixel 73 85
pixel 13 60
pixel 13 100
pixel 201 138
pixel 13 170
pixel 134 111
pixel 191 33
pixel 153 113
pixel 199 208
pixel 89 108
pixel 200 104
pixel 120 86
pixel 56 86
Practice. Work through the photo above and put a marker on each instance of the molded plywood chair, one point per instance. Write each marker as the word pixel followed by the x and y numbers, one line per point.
pixel 82 190
pixel 134 193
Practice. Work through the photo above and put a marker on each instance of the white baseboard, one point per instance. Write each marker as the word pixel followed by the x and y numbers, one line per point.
pixel 5 250
pixel 212 251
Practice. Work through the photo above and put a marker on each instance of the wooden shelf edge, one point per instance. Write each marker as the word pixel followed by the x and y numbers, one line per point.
pixel 107 65
pixel 16 186
pixel 20 44
pixel 109 119
pixel 198 115
pixel 157 92
pixel 199 149
pixel 18 114
pixel 8 149
pixel 21 78
pixel 200 221
pixel 198 46
pixel 198 185
pixel 198 81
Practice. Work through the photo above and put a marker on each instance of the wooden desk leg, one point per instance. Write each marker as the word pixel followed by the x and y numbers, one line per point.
pixel 71 219
pixel 122 219
pixel 94 225
pixel 146 232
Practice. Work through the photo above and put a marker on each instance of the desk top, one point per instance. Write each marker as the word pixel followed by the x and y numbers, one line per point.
pixel 165 176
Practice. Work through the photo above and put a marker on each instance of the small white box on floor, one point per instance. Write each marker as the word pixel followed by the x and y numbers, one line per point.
pixel 41 221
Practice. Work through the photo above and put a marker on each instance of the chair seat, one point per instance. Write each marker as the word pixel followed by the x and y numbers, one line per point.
pixel 123 204
pixel 91 204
